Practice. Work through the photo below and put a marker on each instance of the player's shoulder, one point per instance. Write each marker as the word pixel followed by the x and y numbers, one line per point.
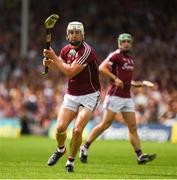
pixel 113 54
pixel 86 48
pixel 130 56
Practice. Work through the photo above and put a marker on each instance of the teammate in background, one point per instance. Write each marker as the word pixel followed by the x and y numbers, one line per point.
pixel 78 61
pixel 118 66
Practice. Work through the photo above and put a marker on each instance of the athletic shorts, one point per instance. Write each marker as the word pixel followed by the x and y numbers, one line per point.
pixel 118 104
pixel 89 101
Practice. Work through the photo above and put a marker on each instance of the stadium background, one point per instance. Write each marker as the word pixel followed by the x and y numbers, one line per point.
pixel 33 101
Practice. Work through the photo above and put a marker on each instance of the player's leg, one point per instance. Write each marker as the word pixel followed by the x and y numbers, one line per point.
pixel 130 119
pixel 82 119
pixel 112 105
pixel 66 114
pixel 65 117
pixel 88 104
pixel 108 117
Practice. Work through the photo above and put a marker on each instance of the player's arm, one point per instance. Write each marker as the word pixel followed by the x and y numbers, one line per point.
pixel 56 63
pixel 105 68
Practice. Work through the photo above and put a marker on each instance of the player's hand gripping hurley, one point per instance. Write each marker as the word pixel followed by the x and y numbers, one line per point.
pixel 49 24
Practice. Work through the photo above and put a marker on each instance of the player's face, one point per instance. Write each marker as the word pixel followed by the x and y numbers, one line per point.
pixel 75 35
pixel 125 45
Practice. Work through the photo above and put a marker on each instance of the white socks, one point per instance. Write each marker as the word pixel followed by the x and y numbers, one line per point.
pixel 69 162
pixel 61 150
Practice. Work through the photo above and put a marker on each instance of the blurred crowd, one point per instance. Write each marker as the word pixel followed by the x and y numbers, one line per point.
pixel 36 99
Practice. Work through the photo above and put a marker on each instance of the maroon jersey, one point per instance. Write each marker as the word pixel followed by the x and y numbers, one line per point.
pixel 122 67
pixel 87 80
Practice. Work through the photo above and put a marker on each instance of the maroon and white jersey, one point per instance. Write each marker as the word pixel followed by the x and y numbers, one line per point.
pixel 122 66
pixel 87 80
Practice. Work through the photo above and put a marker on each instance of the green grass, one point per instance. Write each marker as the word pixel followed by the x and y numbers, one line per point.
pixel 25 158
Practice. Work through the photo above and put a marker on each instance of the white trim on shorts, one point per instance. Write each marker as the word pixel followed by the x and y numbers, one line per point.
pixel 118 104
pixel 89 101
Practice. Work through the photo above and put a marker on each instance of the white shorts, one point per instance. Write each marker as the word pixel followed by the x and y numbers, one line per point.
pixel 89 101
pixel 118 104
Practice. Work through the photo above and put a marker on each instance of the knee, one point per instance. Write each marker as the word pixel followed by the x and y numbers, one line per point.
pixel 60 130
pixel 132 129
pixel 77 132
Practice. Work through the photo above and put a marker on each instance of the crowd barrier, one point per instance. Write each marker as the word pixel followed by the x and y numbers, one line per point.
pixel 148 132
pixel 118 131
pixel 11 127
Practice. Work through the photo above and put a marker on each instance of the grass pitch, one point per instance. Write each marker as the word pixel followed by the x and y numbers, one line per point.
pixel 26 158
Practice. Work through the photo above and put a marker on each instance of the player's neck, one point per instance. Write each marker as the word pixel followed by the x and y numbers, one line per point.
pixel 125 52
pixel 75 47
